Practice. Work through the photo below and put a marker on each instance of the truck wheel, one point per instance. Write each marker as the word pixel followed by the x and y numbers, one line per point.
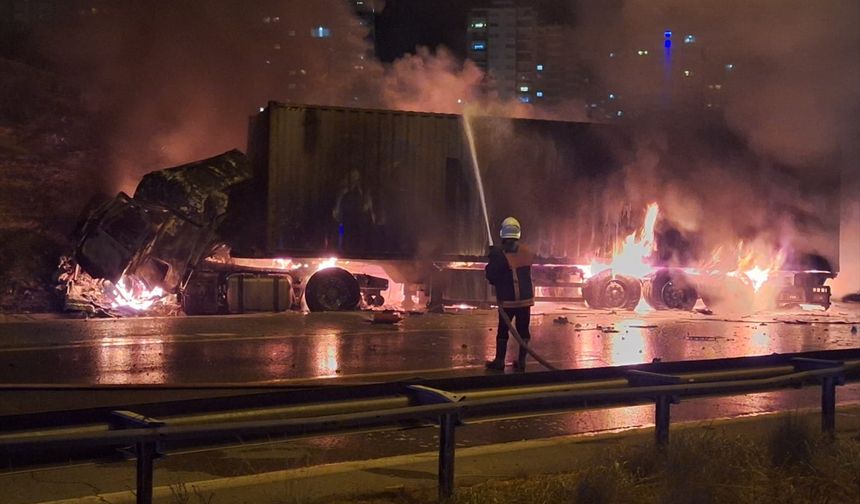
pixel 332 289
pixel 669 289
pixel 606 290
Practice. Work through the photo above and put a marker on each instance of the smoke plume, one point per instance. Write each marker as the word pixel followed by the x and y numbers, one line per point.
pixel 780 75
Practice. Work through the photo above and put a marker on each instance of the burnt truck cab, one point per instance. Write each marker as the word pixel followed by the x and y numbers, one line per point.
pixel 160 235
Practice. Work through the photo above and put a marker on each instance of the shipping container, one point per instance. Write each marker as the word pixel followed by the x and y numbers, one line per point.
pixel 390 184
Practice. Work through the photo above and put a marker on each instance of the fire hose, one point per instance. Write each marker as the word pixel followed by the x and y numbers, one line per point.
pixel 522 342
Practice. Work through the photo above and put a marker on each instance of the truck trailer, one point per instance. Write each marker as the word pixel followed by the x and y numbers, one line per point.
pixel 394 197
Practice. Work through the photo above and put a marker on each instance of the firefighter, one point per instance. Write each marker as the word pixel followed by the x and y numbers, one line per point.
pixel 509 271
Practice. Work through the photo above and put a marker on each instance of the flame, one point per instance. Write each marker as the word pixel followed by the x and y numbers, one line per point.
pixel 331 262
pixel 758 276
pixel 131 292
pixel 633 252
pixel 756 265
pixel 464 306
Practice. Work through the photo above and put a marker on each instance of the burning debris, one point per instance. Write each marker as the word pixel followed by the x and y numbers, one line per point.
pixel 749 281
pixel 135 254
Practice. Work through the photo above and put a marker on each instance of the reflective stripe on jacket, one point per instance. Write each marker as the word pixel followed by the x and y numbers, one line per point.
pixel 510 273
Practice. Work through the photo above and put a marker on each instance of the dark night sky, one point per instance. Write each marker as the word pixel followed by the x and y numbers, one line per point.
pixel 405 24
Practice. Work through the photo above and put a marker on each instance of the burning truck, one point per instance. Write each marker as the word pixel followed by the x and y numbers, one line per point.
pixel 339 209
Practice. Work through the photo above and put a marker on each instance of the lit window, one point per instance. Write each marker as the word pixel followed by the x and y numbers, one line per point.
pixel 525 99
pixel 718 86
pixel 667 33
pixel 320 32
pixel 479 24
pixel 689 39
pixel 539 68
pixel 524 89
pixel 611 96
pixel 642 52
pixel 619 113
pixel 612 55
pixel 262 109
pixel 729 67
pixel 479 46
pixel 539 94
pixel 688 73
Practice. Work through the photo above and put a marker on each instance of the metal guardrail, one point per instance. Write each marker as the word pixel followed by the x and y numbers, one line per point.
pixel 448 410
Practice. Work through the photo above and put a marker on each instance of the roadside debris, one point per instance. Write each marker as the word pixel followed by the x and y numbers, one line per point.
pixel 386 317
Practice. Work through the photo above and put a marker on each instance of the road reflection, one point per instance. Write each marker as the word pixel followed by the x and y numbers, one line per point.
pixel 123 359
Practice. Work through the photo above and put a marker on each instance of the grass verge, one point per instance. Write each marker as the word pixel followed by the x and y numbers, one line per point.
pixel 793 464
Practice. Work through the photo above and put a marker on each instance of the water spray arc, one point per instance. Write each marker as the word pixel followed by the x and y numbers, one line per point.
pixel 470 136
pixel 467 127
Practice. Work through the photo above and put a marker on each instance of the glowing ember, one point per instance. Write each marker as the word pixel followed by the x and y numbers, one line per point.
pixel 285 264
pixel 131 292
pixel 812 307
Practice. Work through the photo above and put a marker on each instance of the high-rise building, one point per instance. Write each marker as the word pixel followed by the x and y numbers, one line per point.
pixel 306 51
pixel 501 40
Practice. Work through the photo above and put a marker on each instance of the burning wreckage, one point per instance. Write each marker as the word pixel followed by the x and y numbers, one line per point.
pixel 326 209
pixel 137 253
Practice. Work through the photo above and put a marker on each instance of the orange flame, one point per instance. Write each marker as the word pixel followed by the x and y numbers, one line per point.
pixel 757 266
pixel 633 252
pixel 131 292
pixel 331 262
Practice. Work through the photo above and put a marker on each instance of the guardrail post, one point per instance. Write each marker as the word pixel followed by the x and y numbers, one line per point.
pixel 422 394
pixel 447 424
pixel 828 389
pixel 661 422
pixel 144 451
pixel 637 378
pixel 146 454
pixel 828 405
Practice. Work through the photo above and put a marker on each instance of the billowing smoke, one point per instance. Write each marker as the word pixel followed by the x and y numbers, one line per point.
pixel 780 75
pixel 178 82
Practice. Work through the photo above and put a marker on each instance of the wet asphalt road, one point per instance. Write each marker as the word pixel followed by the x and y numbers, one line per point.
pixel 293 347
pixel 274 348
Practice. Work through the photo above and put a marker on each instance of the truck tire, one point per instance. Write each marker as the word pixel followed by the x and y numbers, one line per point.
pixel 606 290
pixel 669 289
pixel 332 289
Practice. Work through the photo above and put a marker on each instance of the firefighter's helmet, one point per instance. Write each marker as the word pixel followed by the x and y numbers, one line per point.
pixel 510 229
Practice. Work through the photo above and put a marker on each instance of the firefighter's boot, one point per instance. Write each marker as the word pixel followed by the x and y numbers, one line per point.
pixel 498 364
pixel 520 364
